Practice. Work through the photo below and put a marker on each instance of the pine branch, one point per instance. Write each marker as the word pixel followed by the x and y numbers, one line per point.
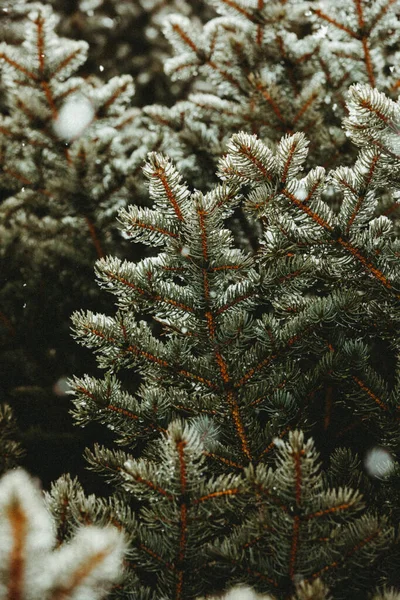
pixel 11 450
pixel 30 568
pixel 299 524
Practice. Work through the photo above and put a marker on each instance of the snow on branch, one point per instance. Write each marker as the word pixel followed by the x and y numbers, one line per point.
pixel 31 568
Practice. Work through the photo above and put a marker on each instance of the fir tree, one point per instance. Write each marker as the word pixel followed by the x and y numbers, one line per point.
pixel 57 210
pixel 251 348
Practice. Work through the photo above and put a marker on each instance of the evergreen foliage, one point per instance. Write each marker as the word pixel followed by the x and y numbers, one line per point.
pixel 30 568
pixel 123 37
pixel 11 450
pixel 250 370
pixel 252 346
pixel 56 190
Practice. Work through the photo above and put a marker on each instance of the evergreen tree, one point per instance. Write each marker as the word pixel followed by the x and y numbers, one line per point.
pixel 248 348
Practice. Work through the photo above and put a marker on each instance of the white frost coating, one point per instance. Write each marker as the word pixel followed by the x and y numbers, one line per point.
pixel 93 560
pixel 20 497
pixel 74 117
pixel 378 463
pixel 269 236
pixel 392 139
pixel 322 32
pixel 279 443
pixel 83 569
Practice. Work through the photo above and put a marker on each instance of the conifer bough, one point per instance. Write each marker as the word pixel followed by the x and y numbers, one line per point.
pixel 250 348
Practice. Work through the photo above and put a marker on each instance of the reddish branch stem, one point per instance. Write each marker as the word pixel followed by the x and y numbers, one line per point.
pixel 95 239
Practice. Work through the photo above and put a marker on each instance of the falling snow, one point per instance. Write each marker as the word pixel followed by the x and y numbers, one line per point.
pixel 61 387
pixel 74 117
pixel 378 463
